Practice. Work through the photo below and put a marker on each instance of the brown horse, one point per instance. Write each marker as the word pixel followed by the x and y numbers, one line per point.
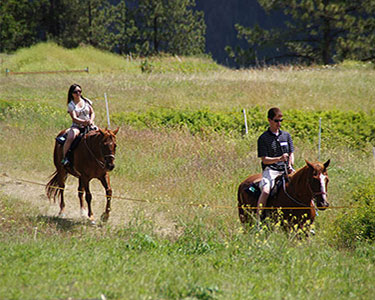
pixel 299 190
pixel 93 158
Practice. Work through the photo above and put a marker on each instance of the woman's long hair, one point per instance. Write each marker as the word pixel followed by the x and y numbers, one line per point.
pixel 70 93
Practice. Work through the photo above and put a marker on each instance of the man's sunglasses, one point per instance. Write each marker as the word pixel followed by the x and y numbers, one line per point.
pixel 278 120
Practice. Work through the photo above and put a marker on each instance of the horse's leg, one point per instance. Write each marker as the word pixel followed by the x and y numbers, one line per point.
pixel 88 196
pixel 108 190
pixel 61 186
pixel 81 190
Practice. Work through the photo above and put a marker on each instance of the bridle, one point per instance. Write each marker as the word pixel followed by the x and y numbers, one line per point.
pixel 313 194
pixel 100 163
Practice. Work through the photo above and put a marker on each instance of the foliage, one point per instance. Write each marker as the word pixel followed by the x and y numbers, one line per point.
pixel 19 23
pixel 24 115
pixel 357 224
pixel 169 26
pixel 351 129
pixel 132 27
pixel 316 32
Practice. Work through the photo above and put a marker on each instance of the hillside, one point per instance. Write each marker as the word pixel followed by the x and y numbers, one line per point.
pixel 51 57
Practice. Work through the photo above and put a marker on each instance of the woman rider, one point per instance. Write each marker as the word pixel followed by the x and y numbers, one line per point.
pixel 82 114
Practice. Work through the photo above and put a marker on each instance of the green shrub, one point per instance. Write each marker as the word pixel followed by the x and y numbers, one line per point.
pixel 351 129
pixel 357 224
pixel 29 114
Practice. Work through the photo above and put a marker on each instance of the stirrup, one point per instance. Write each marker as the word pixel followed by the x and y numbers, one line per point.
pixel 65 162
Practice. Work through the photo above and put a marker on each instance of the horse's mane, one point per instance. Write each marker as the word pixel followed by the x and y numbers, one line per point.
pixel 299 176
pixel 100 131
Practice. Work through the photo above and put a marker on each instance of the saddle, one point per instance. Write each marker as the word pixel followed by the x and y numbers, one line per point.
pixel 254 189
pixel 61 140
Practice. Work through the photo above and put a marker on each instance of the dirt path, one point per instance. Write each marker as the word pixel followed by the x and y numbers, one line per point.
pixel 30 187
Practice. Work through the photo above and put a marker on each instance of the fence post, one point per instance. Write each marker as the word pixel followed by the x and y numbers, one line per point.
pixel 6 72
pixel 106 106
pixel 245 118
pixel 87 69
pixel 319 137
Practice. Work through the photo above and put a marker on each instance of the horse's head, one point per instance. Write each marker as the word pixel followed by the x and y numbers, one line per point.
pixel 318 183
pixel 108 147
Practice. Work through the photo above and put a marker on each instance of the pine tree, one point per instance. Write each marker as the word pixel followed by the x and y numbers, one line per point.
pixel 317 32
pixel 169 26
pixel 19 24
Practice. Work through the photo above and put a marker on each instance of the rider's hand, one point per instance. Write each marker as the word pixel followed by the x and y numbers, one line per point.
pixel 284 157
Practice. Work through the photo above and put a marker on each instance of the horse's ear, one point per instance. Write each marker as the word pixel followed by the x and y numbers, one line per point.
pixel 309 164
pixel 326 164
pixel 116 130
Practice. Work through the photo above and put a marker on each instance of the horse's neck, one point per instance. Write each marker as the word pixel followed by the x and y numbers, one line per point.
pixel 299 182
pixel 92 142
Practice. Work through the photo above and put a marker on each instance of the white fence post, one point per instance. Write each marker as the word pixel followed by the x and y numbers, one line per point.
pixel 319 137
pixel 106 106
pixel 244 115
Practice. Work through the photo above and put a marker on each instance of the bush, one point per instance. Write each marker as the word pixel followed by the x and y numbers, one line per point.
pixel 351 129
pixel 357 224
pixel 24 114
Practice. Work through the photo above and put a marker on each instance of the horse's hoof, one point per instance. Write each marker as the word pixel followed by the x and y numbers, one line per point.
pixel 104 217
pixel 83 213
pixel 92 220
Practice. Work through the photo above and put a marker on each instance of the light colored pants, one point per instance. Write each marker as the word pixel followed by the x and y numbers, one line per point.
pixel 268 180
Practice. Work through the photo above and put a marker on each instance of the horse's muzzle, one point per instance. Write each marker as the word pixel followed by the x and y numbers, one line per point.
pixel 109 162
pixel 321 201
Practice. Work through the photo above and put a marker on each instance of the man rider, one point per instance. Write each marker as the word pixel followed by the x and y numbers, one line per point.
pixel 275 148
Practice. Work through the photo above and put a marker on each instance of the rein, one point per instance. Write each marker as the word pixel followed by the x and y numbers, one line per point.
pixel 289 196
pixel 100 163
pixel 313 194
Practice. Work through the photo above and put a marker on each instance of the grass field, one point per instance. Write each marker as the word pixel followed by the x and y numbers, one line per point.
pixel 168 247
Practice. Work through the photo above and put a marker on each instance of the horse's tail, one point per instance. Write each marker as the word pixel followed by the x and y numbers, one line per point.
pixel 54 186
pixel 240 202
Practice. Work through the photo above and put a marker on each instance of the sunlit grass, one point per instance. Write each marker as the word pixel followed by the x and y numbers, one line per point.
pixel 184 82
pixel 183 237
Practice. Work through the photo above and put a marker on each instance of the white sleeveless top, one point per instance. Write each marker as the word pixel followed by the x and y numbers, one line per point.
pixel 82 113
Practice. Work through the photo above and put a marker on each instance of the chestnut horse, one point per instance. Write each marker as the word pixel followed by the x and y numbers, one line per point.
pixel 93 158
pixel 298 190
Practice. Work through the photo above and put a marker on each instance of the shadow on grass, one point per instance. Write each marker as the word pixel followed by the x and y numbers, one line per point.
pixel 62 224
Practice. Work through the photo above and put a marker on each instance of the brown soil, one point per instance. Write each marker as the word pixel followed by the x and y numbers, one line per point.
pixel 31 188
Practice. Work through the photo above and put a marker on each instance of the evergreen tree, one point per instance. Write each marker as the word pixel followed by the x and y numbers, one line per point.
pixel 318 31
pixel 169 26
pixel 141 27
pixel 122 33
pixel 19 24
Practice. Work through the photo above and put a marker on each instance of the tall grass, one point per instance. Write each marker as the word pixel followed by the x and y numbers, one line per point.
pixel 129 89
pixel 51 258
pixel 168 247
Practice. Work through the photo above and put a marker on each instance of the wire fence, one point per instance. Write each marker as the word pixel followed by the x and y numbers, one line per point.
pixel 191 204
pixel 9 72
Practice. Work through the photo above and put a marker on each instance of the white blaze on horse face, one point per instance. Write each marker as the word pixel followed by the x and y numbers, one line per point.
pixel 323 186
